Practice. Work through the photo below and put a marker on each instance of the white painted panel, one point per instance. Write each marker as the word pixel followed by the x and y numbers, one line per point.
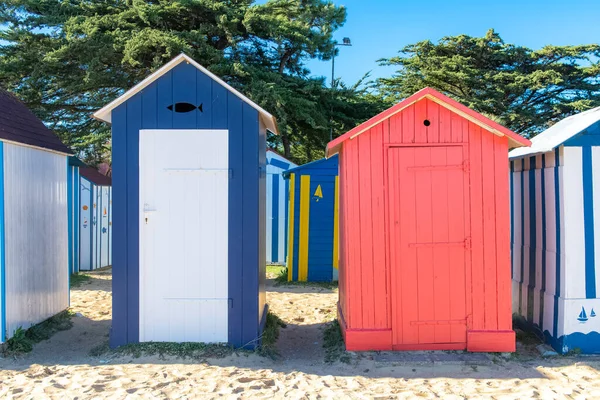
pixel 550 217
pixel 103 212
pixel 596 196
pixel 282 223
pixel 574 225
pixel 184 180
pixel 36 235
pixel 85 227
pixel 539 251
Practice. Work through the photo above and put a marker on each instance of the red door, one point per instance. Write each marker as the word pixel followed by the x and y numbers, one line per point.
pixel 429 238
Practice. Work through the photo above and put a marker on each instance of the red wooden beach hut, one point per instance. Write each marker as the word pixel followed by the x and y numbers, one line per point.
pixel 424 234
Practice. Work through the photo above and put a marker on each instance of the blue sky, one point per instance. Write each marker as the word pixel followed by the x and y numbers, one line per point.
pixel 379 28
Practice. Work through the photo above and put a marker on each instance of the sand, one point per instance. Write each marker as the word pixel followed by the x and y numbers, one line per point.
pixel 62 368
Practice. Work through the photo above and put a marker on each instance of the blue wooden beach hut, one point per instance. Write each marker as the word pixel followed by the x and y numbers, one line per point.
pixel 313 221
pixel 95 220
pixel 555 231
pixel 277 207
pixel 189 169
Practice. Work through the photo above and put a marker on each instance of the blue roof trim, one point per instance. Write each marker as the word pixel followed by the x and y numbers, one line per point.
pixel 279 164
pixel 333 160
pixel 588 137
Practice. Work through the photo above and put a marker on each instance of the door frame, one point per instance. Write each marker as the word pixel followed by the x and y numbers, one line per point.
pixel 392 316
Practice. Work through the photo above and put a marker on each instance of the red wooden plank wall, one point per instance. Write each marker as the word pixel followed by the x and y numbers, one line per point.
pixel 365 253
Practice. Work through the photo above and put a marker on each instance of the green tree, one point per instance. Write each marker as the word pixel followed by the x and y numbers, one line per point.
pixel 525 90
pixel 68 59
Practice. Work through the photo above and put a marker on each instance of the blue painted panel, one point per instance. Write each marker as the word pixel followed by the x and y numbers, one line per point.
pixel 77 214
pixel 203 97
pixel 120 308
pixel 588 137
pixel 262 225
pixel 134 124
pixel 588 222
pixel 251 245
pixel 2 251
pixel 532 239
pixel 236 212
pixel 184 91
pixel 219 107
pixel 287 221
pixel 164 98
pixel 150 116
pixel 279 164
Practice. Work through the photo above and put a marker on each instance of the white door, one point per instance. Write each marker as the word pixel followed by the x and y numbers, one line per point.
pixel 184 177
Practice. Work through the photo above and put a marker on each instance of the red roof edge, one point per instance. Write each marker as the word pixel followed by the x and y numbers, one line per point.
pixel 516 140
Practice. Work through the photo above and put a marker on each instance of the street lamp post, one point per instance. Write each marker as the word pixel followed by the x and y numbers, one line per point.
pixel 345 42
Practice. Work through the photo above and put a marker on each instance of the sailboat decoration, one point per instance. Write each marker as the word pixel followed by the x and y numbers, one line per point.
pixel 582 315
pixel 592 314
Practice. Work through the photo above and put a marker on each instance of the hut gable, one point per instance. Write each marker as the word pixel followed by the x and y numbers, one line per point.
pixel 427 117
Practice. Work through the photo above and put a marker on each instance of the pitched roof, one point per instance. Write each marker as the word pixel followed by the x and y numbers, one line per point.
pixel 310 165
pixel 104 114
pixel 559 133
pixel 515 140
pixel 92 175
pixel 19 125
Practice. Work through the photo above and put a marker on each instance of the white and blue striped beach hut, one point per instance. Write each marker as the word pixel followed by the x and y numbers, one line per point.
pixel 555 233
pixel 277 207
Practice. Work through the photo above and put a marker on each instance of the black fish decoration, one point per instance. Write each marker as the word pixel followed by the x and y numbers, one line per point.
pixel 184 107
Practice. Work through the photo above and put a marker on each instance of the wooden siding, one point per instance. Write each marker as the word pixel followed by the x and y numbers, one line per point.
pixel 366 287
pixel 221 110
pixel 36 236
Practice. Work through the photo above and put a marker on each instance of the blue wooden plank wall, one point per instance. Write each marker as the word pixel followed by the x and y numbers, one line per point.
pixel 321 219
pixel 221 110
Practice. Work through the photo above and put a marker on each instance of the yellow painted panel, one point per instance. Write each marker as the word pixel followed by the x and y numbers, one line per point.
pixel 336 223
pixel 303 239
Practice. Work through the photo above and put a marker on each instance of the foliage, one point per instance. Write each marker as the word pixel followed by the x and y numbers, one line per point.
pixel 23 340
pixel 77 279
pixel 333 343
pixel 268 346
pixel 68 59
pixel 523 89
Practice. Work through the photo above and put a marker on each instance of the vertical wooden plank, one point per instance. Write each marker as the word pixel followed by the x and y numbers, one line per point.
pixel 304 228
pixel 336 224
pixel 204 97
pixel 355 271
pixel 378 224
pixel 405 196
pixel 423 212
pixel 466 216
pixel 366 230
pixel 395 124
pixel 456 232
pixel 502 235
pixel 343 269
pixel 489 229
pixel 218 109
pixel 164 98
pixel 393 244
pixel 235 223
pixel 386 129
pixel 134 123
pixel 458 125
pixel 433 116
pixel 184 91
pixel 250 222
pixel 476 218
pixel 442 265
pixel 420 117
pixel 408 125
pixel 445 125
pixel 291 222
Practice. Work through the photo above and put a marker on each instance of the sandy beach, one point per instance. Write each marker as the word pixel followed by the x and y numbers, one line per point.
pixel 62 367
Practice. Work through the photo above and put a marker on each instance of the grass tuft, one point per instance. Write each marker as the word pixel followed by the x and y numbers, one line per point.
pixel 333 343
pixel 193 350
pixel 78 279
pixel 23 340
pixel 268 347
